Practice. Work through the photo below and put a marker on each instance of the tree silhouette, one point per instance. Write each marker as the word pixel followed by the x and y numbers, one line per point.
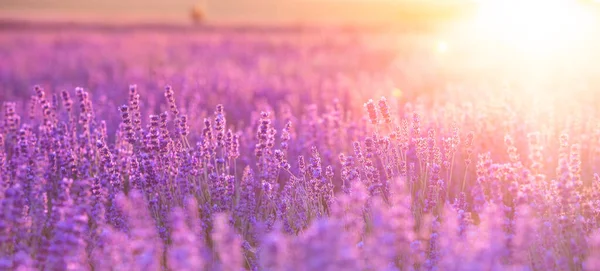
pixel 198 14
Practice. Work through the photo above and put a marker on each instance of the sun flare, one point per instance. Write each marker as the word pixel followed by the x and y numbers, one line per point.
pixel 534 25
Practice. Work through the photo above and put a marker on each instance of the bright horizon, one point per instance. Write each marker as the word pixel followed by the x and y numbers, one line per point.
pixel 262 11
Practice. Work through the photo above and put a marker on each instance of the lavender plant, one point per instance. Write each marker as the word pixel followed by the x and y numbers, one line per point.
pixel 236 168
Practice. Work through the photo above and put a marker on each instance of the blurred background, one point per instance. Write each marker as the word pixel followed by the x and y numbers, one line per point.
pixel 430 44
pixel 241 11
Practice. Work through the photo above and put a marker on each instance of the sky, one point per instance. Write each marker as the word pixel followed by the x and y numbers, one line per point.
pixel 258 11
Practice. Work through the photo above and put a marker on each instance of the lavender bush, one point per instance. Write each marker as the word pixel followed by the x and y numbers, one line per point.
pixel 263 151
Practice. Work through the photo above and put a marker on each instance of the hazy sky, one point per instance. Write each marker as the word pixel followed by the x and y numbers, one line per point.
pixel 222 10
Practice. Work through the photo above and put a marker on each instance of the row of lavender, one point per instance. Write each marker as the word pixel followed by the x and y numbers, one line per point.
pixel 451 182
pixel 402 198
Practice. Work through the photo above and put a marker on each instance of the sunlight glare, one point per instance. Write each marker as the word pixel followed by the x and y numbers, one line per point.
pixel 442 47
pixel 397 93
pixel 533 25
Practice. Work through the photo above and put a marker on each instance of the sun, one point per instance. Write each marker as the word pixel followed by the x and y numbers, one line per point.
pixel 534 25
pixel 442 47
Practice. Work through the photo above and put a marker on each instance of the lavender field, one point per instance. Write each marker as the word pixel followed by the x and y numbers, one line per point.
pixel 290 149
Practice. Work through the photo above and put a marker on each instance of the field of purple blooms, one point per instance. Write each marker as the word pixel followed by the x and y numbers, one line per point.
pixel 285 150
